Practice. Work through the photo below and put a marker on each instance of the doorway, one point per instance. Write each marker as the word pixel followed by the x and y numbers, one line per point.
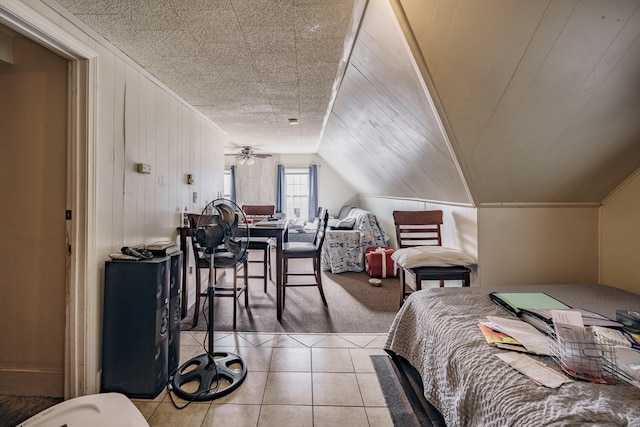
pixel 33 186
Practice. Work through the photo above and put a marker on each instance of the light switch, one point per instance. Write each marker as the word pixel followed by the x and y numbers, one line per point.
pixel 195 197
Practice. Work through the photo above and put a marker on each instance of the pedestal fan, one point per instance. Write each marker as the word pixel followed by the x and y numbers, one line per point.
pixel 222 233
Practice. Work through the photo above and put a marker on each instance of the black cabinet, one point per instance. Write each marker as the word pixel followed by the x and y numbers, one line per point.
pixel 139 325
pixel 175 310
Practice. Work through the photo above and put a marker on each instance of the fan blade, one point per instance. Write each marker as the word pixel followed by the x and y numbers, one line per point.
pixel 206 220
pixel 262 156
pixel 233 246
pixel 228 214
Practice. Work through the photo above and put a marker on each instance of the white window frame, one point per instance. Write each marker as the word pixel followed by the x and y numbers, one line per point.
pixel 298 200
pixel 227 184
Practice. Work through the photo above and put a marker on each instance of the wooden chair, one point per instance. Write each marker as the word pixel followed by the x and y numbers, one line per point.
pixel 201 260
pixel 422 228
pixel 311 250
pixel 260 212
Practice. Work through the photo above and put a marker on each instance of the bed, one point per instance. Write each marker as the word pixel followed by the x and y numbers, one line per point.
pixel 436 332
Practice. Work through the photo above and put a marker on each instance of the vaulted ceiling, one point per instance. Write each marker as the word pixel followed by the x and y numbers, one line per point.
pixel 465 101
pixel 499 101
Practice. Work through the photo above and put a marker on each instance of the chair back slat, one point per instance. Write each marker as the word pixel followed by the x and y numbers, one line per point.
pixel 323 220
pixel 258 210
pixel 418 228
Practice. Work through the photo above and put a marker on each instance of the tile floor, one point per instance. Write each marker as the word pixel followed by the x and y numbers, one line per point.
pixel 293 380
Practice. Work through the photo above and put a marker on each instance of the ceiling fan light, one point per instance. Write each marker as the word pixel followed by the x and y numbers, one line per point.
pixel 241 161
pixel 251 161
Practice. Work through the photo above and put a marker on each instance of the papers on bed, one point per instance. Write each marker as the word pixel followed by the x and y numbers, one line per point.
pixel 596 354
pixel 628 365
pixel 528 338
pixel 515 301
pixel 576 351
pixel 538 309
pixel 536 371
pixel 593 353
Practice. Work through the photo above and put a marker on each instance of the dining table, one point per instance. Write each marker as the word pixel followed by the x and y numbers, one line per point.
pixel 277 229
pixel 273 228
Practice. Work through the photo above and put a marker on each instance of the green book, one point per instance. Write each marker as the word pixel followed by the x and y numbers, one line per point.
pixel 514 301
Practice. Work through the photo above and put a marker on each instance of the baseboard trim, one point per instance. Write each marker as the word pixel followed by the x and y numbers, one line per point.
pixel 31 383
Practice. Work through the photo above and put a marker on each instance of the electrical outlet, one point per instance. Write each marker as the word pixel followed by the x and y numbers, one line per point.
pixel 190 270
pixel 195 197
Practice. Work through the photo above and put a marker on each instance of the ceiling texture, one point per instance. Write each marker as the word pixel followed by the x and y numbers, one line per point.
pixel 477 102
pixel 248 65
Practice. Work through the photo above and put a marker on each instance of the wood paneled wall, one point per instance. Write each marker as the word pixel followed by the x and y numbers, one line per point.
pixel 138 121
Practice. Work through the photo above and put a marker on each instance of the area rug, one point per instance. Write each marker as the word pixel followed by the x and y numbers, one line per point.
pixel 407 407
pixel 353 305
pixel 16 409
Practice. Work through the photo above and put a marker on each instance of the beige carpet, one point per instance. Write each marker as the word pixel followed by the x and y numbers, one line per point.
pixel 353 306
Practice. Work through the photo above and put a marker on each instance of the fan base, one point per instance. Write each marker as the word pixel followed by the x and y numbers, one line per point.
pixel 211 377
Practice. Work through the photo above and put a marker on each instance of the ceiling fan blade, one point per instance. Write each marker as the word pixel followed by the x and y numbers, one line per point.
pixel 262 156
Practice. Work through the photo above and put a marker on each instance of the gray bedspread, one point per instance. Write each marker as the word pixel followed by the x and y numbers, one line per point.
pixel 436 331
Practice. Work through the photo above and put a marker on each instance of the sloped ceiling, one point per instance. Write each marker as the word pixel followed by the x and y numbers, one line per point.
pixel 383 132
pixel 538 100
pixel 464 101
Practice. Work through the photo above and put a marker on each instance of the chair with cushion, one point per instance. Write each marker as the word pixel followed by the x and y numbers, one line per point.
pixel 201 259
pixel 300 250
pixel 420 252
pixel 258 213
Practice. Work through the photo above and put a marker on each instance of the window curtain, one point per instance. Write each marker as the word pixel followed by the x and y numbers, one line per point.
pixel 233 184
pixel 281 191
pixel 313 191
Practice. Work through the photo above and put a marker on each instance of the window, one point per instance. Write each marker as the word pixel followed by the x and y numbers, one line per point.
pixel 297 192
pixel 227 184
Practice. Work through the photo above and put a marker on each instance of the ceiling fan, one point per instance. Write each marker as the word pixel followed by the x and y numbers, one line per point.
pixel 248 155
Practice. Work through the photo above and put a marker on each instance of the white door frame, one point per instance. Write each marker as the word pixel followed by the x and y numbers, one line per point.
pixel 82 326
